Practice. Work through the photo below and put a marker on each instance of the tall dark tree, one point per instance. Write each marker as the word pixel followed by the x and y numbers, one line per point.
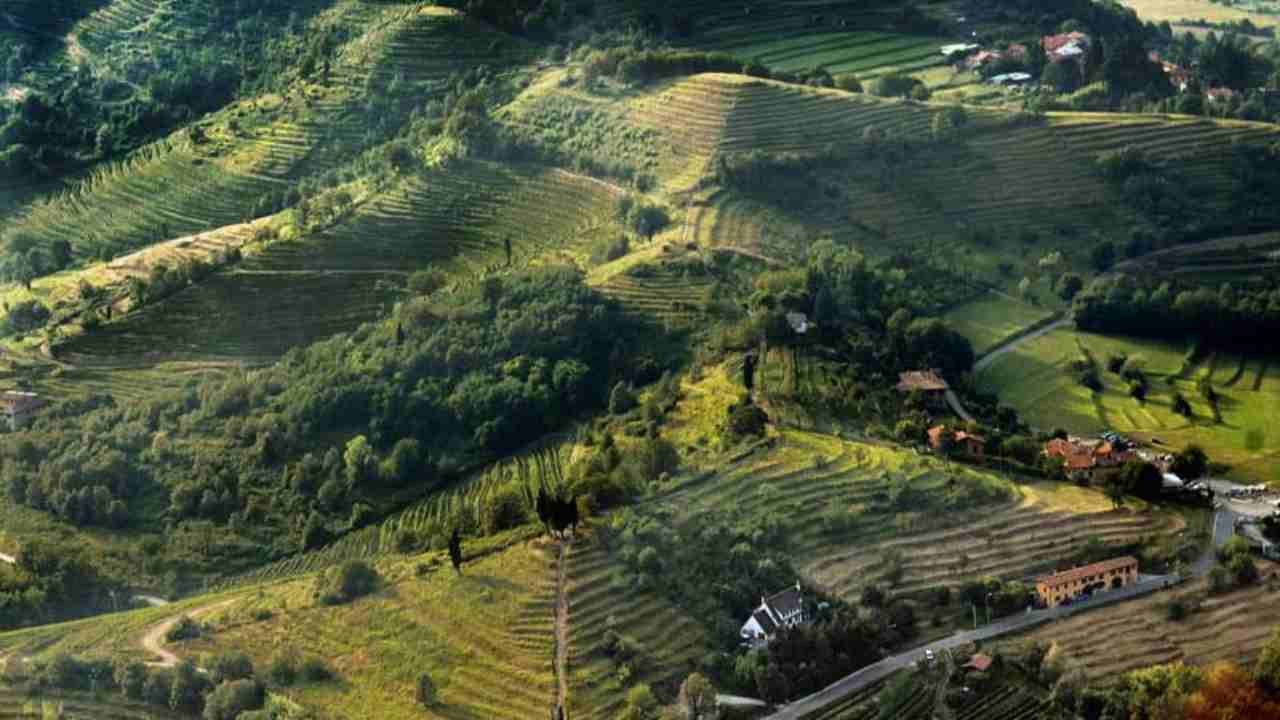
pixel 455 550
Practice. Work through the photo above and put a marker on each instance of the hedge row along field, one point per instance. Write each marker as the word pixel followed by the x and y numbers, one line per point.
pixel 670 643
pixel 1115 639
pixel 71 707
pixel 456 220
pixel 1037 379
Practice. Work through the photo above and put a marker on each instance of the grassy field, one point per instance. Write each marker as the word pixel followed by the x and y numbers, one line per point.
pixel 1112 640
pixel 1037 380
pixel 77 707
pixel 994 318
pixel 1259 12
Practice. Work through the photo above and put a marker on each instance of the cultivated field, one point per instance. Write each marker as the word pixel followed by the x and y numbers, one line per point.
pixel 1002 701
pixel 671 643
pixel 485 637
pixel 1240 260
pixel 1115 639
pixel 864 53
pixel 994 318
pixel 1036 378
pixel 68 706
pixel 991 526
pixel 1259 12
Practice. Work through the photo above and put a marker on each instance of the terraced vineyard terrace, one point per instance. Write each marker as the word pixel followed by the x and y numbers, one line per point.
pixel 1119 638
pixel 671 643
pixel 1005 701
pixel 456 219
pixel 866 54
pixel 1012 543
pixel 161 192
pixel 1236 259
pixel 486 638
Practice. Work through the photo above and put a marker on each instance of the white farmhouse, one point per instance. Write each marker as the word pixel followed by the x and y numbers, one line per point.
pixel 784 609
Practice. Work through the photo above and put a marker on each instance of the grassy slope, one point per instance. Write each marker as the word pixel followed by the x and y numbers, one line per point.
pixel 1036 379
pixel 1175 10
pixel 992 319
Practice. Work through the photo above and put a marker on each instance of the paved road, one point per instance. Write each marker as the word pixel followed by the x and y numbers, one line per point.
pixel 1223 529
pixel 986 360
pixel 886 667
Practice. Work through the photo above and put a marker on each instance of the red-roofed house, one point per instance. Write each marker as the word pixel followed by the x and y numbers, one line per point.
pixel 1068 47
pixel 979 663
pixel 969 444
pixel 1088 460
pixel 1070 584
pixel 1220 94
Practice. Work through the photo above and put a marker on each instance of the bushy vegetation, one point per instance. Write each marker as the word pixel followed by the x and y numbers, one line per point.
pixel 446 383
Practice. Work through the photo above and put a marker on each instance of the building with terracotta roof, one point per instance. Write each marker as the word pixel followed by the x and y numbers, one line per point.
pixel 928 381
pixel 967 442
pixel 1069 584
pixel 1088 460
pixel 979 663
pixel 781 610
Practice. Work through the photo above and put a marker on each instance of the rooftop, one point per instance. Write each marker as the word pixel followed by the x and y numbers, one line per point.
pixel 927 380
pixel 1068 576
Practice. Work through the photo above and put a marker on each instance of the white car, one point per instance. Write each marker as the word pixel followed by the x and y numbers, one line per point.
pixel 928 655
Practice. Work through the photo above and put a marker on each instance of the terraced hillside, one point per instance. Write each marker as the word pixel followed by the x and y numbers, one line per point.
pixel 188 184
pixel 456 220
pixel 485 637
pixel 863 502
pixel 1036 378
pixel 1233 626
pixel 1015 542
pixel 670 643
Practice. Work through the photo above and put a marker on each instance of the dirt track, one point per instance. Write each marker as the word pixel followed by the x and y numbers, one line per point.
pixel 153 641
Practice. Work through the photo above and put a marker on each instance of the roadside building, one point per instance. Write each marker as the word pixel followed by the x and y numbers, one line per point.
pixel 1072 47
pixel 1070 584
pixel 19 408
pixel 1089 461
pixel 1221 95
pixel 780 610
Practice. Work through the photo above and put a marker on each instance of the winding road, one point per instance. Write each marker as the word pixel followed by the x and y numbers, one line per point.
pixel 1009 345
pixel 153 641
pixel 1147 584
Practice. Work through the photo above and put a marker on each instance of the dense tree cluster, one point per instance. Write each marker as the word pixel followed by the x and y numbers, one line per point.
pixel 194 62
pixel 446 383
pixel 51 581
pixel 1247 318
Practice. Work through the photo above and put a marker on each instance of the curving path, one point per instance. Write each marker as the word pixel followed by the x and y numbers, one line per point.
pixel 1009 345
pixel 153 641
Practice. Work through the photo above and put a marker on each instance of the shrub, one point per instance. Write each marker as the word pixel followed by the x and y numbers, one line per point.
pixel 314 670
pixel 230 666
pixel 230 699
pixel 426 690
pixel 622 400
pixel 283 670
pixel 893 85
pixel 1176 611
pixel 184 629
pixel 610 249
pixel 353 580
pixel 849 83
pixel 425 282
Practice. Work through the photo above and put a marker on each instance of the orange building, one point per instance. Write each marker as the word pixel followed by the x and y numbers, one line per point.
pixel 1070 584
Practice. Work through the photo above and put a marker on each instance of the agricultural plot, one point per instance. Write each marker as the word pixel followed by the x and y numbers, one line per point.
pixel 1259 12
pixel 1014 541
pixel 941 532
pixel 866 54
pixel 457 220
pixel 670 644
pixel 485 637
pixel 989 321
pixel 1003 701
pixel 1241 260
pixel 1112 640
pixel 1037 379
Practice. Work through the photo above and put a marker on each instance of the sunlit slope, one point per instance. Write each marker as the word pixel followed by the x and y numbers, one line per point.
pixel 295 292
pixel 219 174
